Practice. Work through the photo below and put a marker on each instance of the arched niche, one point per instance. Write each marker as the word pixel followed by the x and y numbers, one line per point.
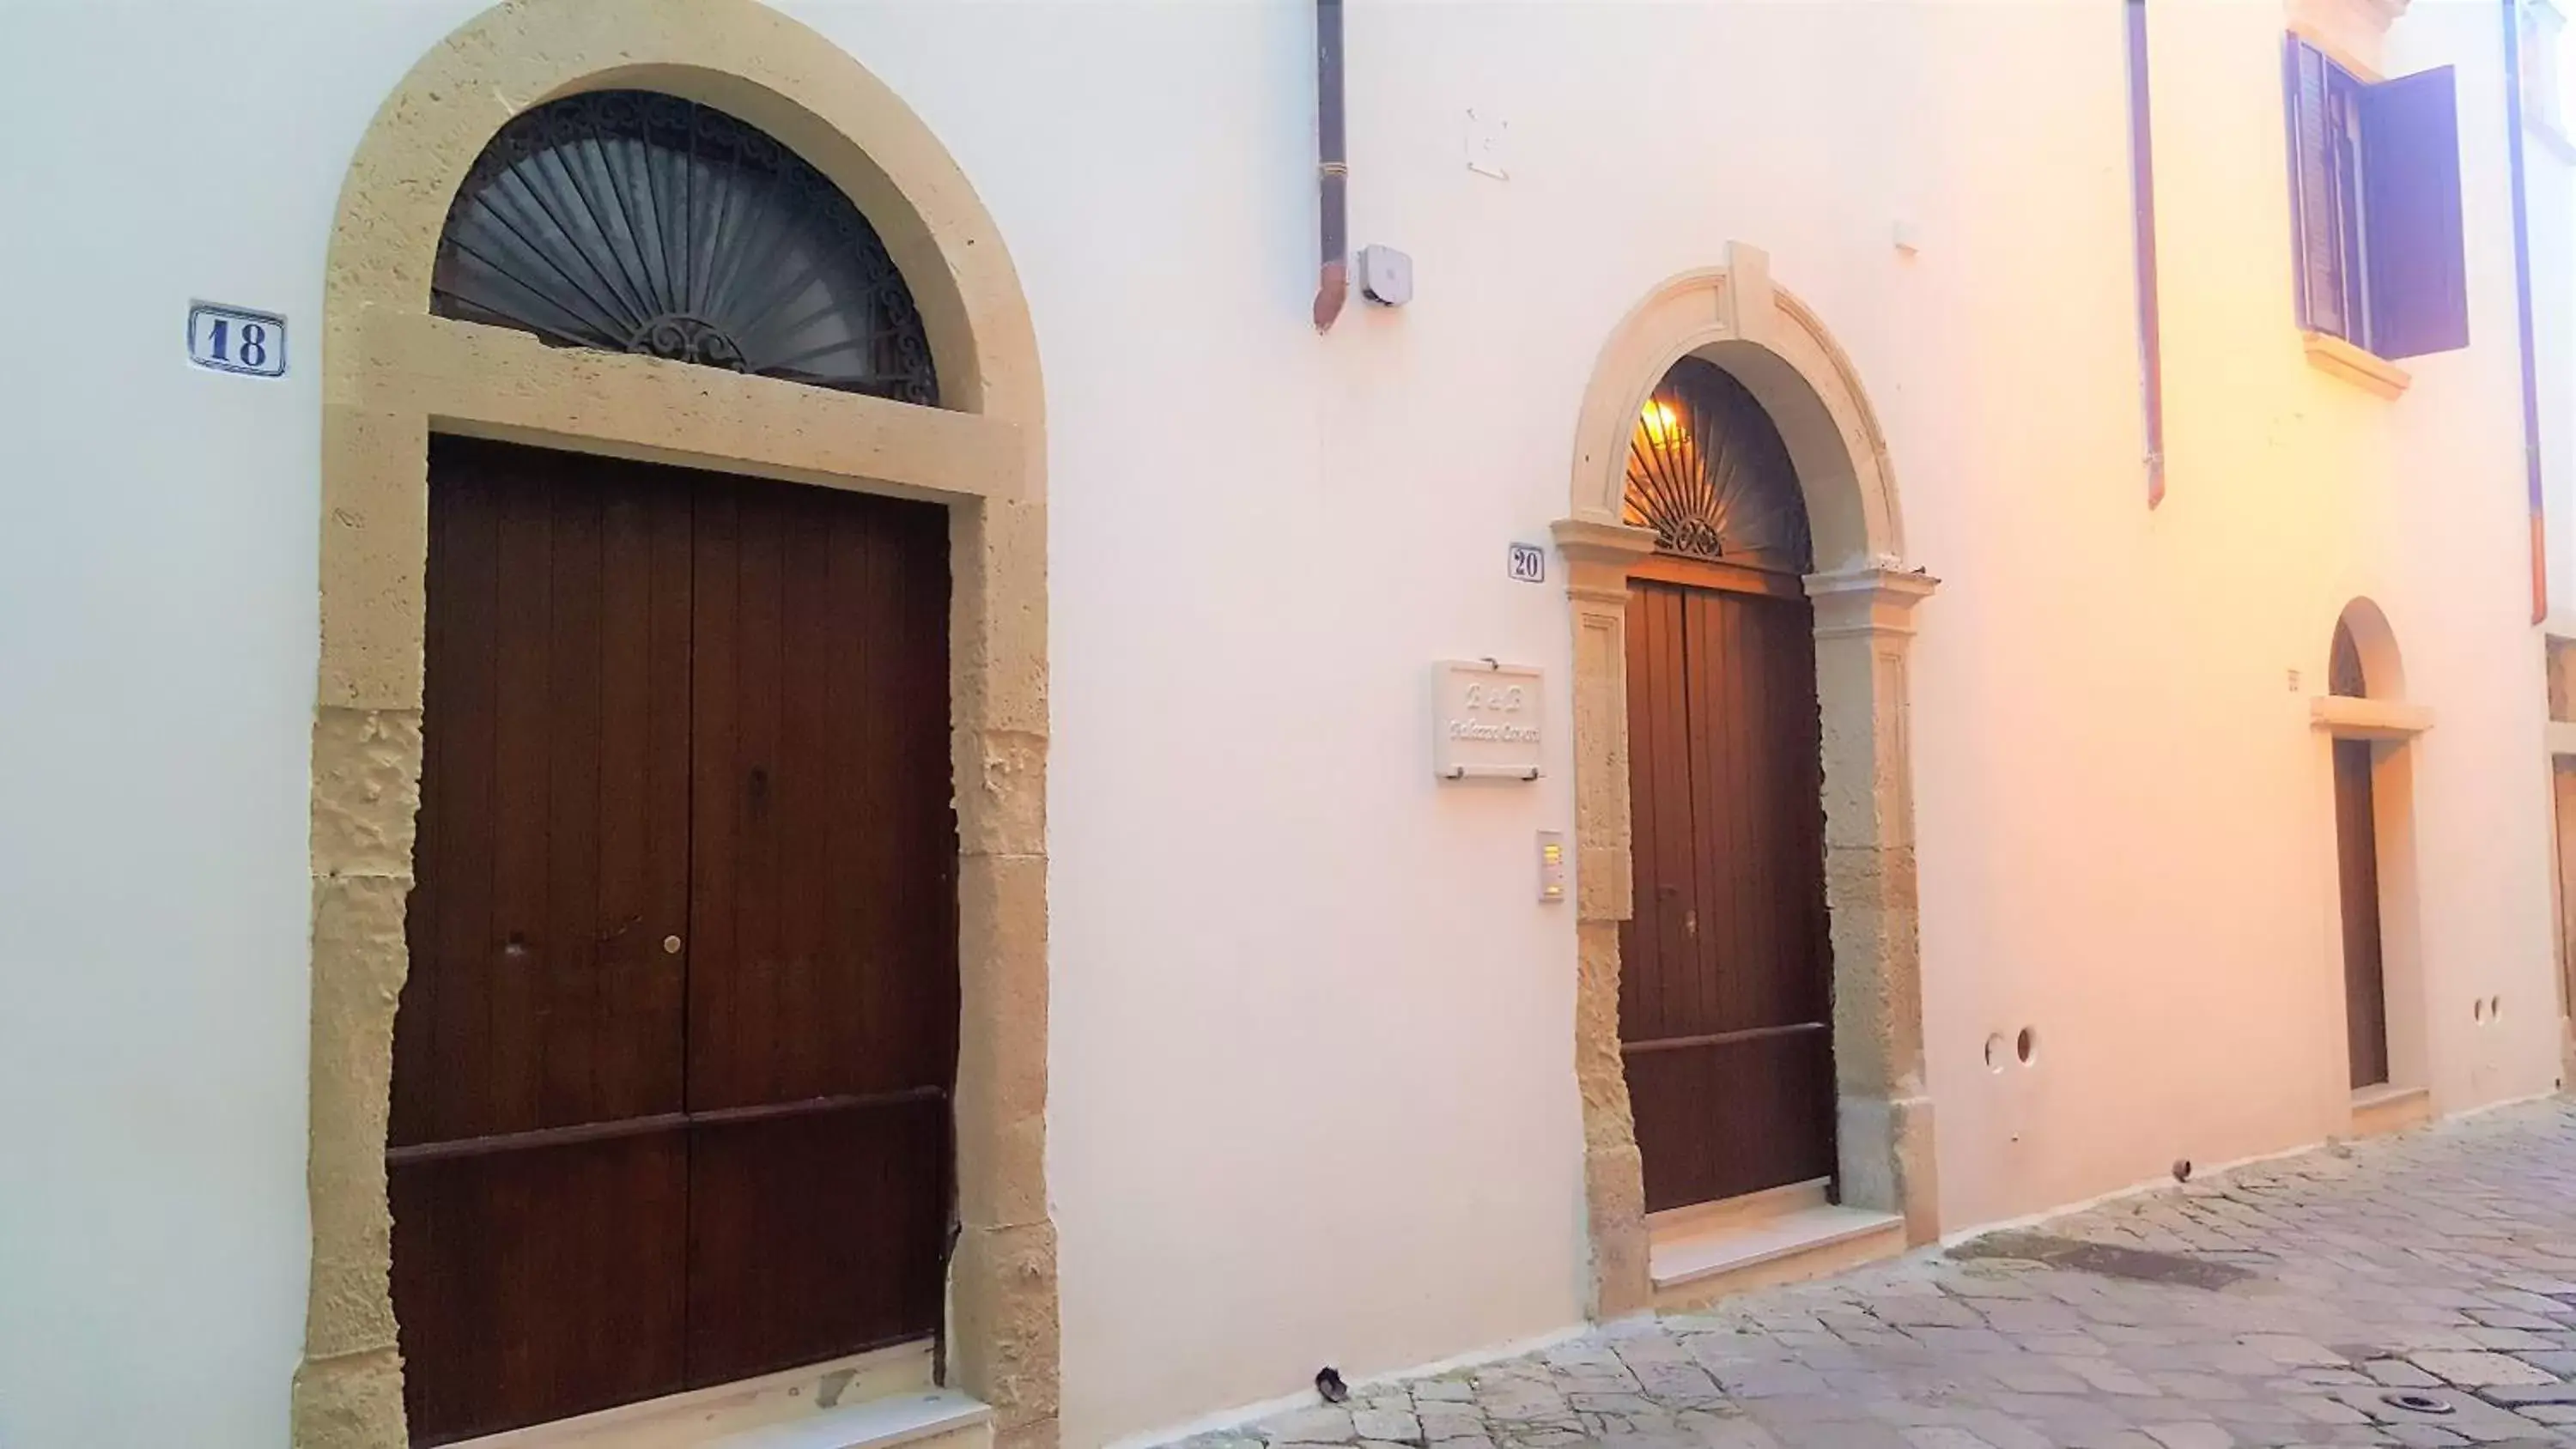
pixel 2374 944
pixel 2364 653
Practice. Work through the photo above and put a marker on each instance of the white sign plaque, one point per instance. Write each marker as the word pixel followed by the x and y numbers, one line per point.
pixel 1529 563
pixel 1486 717
pixel 236 339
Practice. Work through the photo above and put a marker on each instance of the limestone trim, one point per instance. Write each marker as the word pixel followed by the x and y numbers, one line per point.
pixel 2359 366
pixel 1735 316
pixel 464 375
pixel 393 375
pixel 2378 1111
pixel 2368 719
pixel 1780 350
pixel 2352 33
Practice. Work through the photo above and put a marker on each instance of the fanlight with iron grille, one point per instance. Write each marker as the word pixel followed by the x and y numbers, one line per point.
pixel 1708 472
pixel 639 222
pixel 2344 673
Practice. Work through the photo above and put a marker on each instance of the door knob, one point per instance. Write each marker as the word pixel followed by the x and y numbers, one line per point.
pixel 670 945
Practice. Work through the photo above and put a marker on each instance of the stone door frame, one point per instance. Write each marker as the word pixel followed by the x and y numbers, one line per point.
pixel 2384 717
pixel 1864 600
pixel 393 374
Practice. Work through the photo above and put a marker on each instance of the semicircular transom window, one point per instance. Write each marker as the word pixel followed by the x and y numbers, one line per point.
pixel 638 222
pixel 1709 473
pixel 2344 673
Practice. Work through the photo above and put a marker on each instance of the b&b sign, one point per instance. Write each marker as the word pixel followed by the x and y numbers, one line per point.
pixel 1486 719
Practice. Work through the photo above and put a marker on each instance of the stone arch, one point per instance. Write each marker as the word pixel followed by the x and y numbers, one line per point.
pixel 393 374
pixel 2383 667
pixel 1780 350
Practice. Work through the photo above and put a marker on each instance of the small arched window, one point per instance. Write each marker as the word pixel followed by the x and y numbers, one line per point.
pixel 2344 674
pixel 632 221
pixel 1709 473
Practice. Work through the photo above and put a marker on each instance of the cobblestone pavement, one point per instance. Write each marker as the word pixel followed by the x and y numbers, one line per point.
pixel 2418 1290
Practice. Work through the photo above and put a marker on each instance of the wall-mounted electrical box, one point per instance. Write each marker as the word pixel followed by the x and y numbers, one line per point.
pixel 1386 276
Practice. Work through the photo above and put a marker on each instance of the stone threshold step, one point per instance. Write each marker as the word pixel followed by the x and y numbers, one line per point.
pixel 940 1414
pixel 2377 1111
pixel 877 1400
pixel 1691 1267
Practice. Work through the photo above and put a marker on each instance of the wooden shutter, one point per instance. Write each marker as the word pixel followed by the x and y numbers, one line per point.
pixel 2410 155
pixel 2314 244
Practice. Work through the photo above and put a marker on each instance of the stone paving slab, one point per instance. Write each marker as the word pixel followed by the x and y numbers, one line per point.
pixel 2418 1290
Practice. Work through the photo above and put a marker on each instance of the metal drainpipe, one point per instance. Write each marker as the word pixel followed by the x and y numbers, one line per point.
pixel 2522 310
pixel 2142 204
pixel 1332 170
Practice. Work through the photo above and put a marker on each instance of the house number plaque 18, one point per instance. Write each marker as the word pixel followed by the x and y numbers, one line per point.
pixel 235 339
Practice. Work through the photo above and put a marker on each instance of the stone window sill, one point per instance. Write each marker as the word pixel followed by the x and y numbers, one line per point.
pixel 2364 369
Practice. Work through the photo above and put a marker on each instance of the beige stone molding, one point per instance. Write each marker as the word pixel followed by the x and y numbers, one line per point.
pixel 2347 718
pixel 2359 366
pixel 393 375
pixel 656 411
pixel 1788 360
pixel 1739 318
pixel 1868 600
pixel 2561 738
pixel 2353 33
pixel 1597 555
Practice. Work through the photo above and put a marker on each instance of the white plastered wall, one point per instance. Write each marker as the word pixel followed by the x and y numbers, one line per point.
pixel 1312 1083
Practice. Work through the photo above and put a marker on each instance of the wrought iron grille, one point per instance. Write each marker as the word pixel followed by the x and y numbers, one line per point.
pixel 637 222
pixel 1708 472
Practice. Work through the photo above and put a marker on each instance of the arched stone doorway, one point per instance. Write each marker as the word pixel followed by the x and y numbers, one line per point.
pixel 398 374
pixel 2368 723
pixel 1768 343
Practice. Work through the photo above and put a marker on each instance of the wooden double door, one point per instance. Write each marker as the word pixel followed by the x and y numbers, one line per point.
pixel 1725 974
pixel 671 1068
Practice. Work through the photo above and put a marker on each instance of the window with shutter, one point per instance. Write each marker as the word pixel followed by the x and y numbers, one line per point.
pixel 2375 206
pixel 2320 198
pixel 2410 146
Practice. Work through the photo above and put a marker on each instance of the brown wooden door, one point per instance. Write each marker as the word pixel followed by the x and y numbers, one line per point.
pixel 1725 986
pixel 2562 778
pixel 2365 993
pixel 670 1066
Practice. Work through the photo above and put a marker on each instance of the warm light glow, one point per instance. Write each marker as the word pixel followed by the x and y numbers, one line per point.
pixel 1662 422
